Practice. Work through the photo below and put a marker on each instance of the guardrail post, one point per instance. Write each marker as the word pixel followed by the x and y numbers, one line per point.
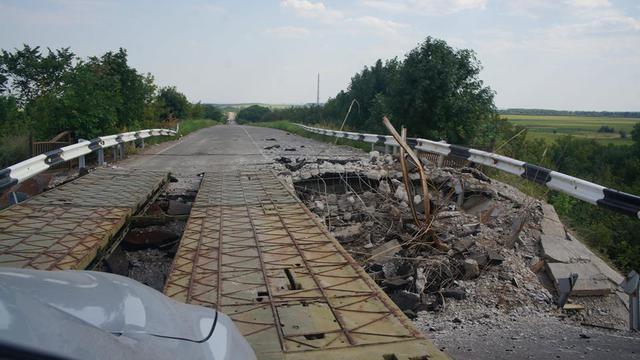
pixel 121 150
pixel 141 143
pixel 101 157
pixel 114 152
pixel 631 286
pixel 81 160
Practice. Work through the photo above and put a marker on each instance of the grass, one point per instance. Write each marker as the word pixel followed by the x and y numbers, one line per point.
pixel 551 127
pixel 187 126
pixel 190 125
pixel 288 126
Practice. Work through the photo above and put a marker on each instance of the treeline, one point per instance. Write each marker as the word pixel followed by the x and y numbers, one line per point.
pixel 434 91
pixel 619 114
pixel 43 93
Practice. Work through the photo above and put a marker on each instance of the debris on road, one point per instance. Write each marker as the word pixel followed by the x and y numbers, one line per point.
pixel 493 262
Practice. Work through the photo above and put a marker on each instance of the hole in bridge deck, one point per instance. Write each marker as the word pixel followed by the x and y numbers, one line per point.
pixel 151 239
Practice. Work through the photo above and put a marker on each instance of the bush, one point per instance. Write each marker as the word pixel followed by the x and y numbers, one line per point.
pixel 13 149
pixel 253 113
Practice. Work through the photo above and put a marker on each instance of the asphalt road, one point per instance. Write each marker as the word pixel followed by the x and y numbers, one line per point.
pixel 228 147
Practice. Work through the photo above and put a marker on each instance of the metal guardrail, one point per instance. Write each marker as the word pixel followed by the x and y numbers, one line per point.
pixel 24 170
pixel 592 193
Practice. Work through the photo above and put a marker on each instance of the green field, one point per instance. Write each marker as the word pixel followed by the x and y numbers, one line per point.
pixel 550 127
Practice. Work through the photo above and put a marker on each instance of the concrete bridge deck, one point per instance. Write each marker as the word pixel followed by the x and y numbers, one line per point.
pixel 64 228
pixel 252 250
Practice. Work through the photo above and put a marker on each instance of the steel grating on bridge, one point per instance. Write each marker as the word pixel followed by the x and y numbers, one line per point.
pixel 252 250
pixel 64 228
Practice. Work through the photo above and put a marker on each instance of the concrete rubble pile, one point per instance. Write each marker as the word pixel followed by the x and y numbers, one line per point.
pixel 496 264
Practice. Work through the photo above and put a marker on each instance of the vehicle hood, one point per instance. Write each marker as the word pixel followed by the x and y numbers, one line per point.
pixel 112 303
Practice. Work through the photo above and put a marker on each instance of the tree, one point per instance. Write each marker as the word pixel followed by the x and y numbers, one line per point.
pixel 253 113
pixel 27 74
pixel 437 93
pixel 635 133
pixel 212 112
pixel 174 103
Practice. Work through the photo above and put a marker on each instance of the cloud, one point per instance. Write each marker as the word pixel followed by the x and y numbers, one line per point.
pixel 315 10
pixel 318 11
pixel 289 32
pixel 382 25
pixel 428 7
pixel 591 4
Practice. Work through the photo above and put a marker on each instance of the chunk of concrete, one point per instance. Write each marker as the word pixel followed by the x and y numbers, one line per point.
pixel 471 269
pixel 463 244
pixel 386 251
pixel 551 224
pixel 590 280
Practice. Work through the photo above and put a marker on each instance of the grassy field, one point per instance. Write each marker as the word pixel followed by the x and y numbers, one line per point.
pixel 551 127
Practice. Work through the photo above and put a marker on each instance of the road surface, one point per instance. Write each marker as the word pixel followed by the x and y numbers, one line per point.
pixel 229 147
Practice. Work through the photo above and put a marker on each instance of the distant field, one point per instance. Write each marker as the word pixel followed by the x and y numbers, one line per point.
pixel 550 127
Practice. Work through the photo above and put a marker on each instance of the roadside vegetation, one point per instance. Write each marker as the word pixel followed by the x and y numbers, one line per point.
pixel 43 93
pixel 436 93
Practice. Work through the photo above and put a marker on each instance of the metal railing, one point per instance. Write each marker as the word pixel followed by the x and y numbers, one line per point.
pixel 592 193
pixel 24 170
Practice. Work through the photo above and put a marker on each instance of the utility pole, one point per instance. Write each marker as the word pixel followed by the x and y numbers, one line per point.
pixel 318 92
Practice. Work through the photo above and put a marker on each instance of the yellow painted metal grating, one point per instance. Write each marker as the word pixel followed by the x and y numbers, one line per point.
pixel 66 227
pixel 289 286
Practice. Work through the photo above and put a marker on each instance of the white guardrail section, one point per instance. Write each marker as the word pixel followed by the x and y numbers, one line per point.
pixel 619 201
pixel 24 170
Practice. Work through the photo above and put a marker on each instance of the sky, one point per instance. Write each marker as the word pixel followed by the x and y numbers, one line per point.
pixel 553 54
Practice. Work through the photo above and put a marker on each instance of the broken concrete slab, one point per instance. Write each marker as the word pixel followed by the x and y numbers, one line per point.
pixel 386 251
pixel 559 249
pixel 494 258
pixel 517 224
pixel 463 244
pixel 551 224
pixel 458 294
pixel 590 280
pixel 347 233
pixel 471 269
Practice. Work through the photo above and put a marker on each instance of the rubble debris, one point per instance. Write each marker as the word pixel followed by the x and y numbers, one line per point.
pixel 471 269
pixel 177 207
pixel 458 294
pixel 149 236
pixel 495 236
pixel 117 262
pixel 463 244
pixel 271 147
pixel 494 258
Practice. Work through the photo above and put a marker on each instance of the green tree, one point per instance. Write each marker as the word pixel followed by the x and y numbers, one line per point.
pixel 27 74
pixel 174 103
pixel 212 112
pixel 253 113
pixel 437 93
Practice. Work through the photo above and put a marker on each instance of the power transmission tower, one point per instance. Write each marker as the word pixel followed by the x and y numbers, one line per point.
pixel 318 91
